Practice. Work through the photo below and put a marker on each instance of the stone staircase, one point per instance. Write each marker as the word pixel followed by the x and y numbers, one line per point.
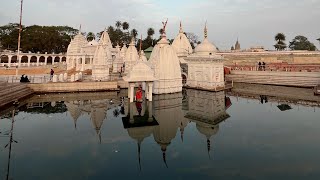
pixel 276 78
pixel 11 92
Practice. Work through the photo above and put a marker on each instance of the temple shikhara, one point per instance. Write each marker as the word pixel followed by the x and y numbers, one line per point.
pixel 169 68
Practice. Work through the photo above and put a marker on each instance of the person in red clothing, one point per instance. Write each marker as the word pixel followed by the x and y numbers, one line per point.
pixel 139 95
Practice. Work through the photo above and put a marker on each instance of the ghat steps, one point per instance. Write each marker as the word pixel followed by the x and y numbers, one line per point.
pixel 11 92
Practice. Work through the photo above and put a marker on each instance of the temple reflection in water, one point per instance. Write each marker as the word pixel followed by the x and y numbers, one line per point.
pixel 169 113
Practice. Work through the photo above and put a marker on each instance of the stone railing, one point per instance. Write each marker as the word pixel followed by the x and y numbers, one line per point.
pixel 278 67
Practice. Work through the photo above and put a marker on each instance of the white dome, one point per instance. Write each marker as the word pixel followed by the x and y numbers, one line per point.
pixel 181 44
pixel 105 39
pixel 76 44
pixel 140 72
pixel 93 43
pixel 206 48
pixel 166 65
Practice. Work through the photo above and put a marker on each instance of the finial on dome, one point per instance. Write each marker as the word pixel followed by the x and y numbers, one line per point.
pixel 205 30
pixel 164 29
pixel 80 29
pixel 181 30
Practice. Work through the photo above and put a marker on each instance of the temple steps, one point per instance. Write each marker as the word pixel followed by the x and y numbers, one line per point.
pixel 11 92
pixel 297 80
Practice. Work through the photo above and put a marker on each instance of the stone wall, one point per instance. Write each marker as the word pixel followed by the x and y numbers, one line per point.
pixel 250 58
pixel 297 79
pixel 74 87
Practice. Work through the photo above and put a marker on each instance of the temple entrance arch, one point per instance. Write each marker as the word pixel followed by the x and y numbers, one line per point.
pixel 4 59
pixel 64 59
pixel 33 59
pixel 24 59
pixel 42 59
pixel 14 59
pixel 57 59
pixel 49 60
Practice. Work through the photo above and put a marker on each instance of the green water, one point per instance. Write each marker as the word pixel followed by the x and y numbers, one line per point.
pixel 191 135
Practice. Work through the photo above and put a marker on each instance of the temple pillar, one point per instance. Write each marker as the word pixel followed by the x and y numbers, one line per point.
pixel 45 60
pixel 131 105
pixel 83 63
pixel 150 84
pixel 38 60
pixel 150 119
pixel 9 60
pixel 29 59
pixel 146 92
pixel 132 92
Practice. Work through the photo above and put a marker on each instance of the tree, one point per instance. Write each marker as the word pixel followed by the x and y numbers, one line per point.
pixel 134 33
pixel 280 38
pixel 150 32
pixel 125 26
pixel 318 40
pixel 118 24
pixel 193 39
pixel 90 36
pixel 301 43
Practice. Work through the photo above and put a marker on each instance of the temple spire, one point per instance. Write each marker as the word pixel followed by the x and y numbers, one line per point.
pixel 80 29
pixel 163 35
pixel 205 30
pixel 181 30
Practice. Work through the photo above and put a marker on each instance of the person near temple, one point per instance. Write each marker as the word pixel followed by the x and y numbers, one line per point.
pixel 264 66
pixel 51 74
pixel 259 66
pixel 139 107
pixel 139 94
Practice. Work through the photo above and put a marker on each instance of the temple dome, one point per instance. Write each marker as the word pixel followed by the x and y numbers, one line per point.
pixel 206 129
pixel 76 44
pixel 140 72
pixel 206 48
pixel 131 52
pixel 105 39
pixel 143 57
pixel 166 65
pixel 181 44
pixel 92 43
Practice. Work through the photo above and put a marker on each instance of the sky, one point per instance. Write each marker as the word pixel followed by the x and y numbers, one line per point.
pixel 254 22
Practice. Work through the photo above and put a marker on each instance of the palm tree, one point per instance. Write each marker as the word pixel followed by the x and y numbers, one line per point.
pixel 134 33
pixel 280 38
pixel 90 36
pixel 125 26
pixel 150 32
pixel 118 24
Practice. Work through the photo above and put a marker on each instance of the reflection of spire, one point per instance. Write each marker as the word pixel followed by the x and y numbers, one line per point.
pixel 139 154
pixel 100 137
pixel 164 156
pixel 181 131
pixel 208 147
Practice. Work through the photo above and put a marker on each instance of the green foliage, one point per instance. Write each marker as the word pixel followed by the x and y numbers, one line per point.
pixel 37 38
pixel 90 36
pixel 134 33
pixel 280 45
pixel 118 24
pixel 146 43
pixel 125 26
pixel 302 43
pixel 150 32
